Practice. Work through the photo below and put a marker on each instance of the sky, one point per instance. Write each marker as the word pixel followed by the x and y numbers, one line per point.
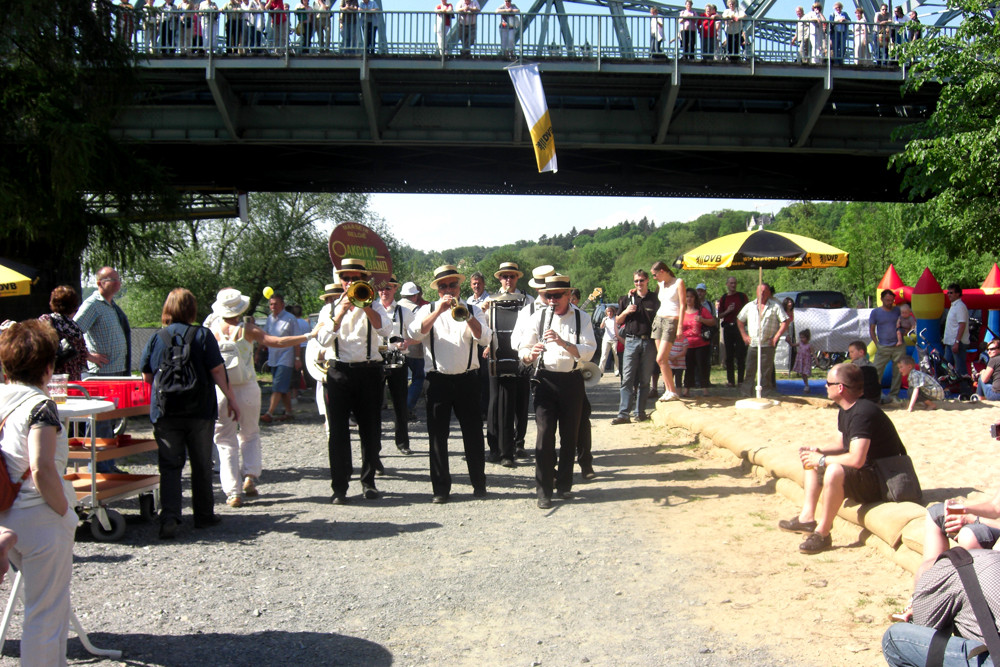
pixel 438 222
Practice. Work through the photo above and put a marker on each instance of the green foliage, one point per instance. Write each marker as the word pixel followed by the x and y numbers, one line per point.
pixel 952 157
pixel 283 245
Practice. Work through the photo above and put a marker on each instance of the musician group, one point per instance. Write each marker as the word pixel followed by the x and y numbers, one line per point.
pixel 529 345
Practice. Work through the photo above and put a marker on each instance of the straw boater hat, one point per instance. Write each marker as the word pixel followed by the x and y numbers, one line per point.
pixel 409 289
pixel 555 283
pixel 356 265
pixel 332 289
pixel 230 303
pixel 392 281
pixel 508 267
pixel 538 275
pixel 446 271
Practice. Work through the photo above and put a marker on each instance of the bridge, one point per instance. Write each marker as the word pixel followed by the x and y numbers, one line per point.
pixel 295 101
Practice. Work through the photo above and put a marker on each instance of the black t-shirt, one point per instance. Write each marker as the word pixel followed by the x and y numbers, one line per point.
pixel 205 356
pixel 640 323
pixel 994 363
pixel 864 419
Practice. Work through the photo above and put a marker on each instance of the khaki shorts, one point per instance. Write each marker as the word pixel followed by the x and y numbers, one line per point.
pixel 664 329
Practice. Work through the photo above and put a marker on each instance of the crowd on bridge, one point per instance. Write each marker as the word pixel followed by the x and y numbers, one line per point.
pixel 352 28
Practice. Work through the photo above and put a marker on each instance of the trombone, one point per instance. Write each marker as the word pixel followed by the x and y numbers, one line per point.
pixel 360 293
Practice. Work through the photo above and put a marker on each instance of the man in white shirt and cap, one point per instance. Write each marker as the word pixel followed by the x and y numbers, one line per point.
pixel 354 382
pixel 557 338
pixel 450 338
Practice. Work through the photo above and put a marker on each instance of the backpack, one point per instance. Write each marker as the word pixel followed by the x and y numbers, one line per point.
pixel 9 489
pixel 176 389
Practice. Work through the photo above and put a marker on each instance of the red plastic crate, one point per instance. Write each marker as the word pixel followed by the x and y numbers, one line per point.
pixel 125 393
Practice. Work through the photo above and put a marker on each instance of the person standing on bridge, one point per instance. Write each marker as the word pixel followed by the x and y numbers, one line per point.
pixel 862 39
pixel 445 12
pixel 510 24
pixel 817 27
pixel 349 26
pixel 803 36
pixel 688 30
pixel 468 11
pixel 839 27
pixel 655 32
pixel 709 26
pixel 734 29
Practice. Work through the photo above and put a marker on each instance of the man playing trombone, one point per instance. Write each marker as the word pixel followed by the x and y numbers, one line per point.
pixel 354 380
pixel 450 332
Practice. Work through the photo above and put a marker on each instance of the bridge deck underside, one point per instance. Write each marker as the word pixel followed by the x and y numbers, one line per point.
pixel 627 129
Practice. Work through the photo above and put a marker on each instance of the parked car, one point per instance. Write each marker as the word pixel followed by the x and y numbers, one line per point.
pixel 815 298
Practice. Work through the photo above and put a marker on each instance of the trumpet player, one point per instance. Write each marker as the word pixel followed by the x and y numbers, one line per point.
pixel 450 332
pixel 354 379
pixel 400 319
pixel 557 338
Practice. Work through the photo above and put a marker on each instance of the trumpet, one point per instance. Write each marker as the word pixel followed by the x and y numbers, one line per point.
pixel 360 293
pixel 459 312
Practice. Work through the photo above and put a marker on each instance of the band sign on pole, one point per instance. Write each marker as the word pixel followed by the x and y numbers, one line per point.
pixel 355 241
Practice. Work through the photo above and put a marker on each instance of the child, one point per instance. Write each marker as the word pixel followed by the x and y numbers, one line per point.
pixel 803 358
pixel 921 384
pixel 858 354
pixel 678 359
pixel 906 326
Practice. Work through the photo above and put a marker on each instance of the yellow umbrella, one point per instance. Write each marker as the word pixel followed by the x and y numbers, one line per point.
pixel 16 279
pixel 761 249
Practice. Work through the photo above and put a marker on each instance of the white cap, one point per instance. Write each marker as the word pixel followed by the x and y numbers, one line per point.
pixel 409 289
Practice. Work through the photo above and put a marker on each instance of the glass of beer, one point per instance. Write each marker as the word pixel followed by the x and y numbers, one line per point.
pixel 951 508
pixel 57 387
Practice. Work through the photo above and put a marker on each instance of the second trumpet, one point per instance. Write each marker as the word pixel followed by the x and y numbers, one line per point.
pixel 360 293
pixel 459 312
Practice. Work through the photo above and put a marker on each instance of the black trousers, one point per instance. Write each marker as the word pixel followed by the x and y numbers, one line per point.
pixel 507 420
pixel 458 393
pixel 736 353
pixel 178 438
pixel 396 379
pixel 584 456
pixel 357 390
pixel 559 399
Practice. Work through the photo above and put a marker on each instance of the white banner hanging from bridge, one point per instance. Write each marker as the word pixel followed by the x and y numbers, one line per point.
pixel 528 85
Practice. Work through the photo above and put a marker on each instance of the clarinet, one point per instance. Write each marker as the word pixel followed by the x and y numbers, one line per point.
pixel 538 362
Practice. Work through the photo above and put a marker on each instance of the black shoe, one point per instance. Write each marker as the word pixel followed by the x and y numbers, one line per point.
pixel 168 529
pixel 588 473
pixel 439 500
pixel 492 458
pixel 371 493
pixel 793 525
pixel 544 503
pixel 816 543
pixel 479 493
pixel 379 469
pixel 521 453
pixel 413 416
pixel 508 463
pixel 566 495
pixel 208 522
pixel 641 417
pixel 620 420
pixel 339 499
pixel 405 450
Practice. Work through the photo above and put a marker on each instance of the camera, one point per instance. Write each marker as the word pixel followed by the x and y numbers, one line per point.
pixel 993 431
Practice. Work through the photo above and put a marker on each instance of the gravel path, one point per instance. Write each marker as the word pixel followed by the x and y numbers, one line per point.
pixel 605 578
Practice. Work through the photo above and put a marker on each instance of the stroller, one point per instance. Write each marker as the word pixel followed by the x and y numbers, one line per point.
pixel 933 363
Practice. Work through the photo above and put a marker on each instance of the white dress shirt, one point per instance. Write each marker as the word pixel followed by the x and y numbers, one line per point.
pixel 400 318
pixel 352 343
pixel 555 357
pixel 452 340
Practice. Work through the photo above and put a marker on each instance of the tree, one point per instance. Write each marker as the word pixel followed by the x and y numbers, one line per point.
pixel 283 244
pixel 952 157
pixel 63 78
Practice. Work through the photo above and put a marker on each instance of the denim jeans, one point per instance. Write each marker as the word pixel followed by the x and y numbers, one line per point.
pixel 957 360
pixel 986 391
pixel 637 367
pixel 906 645
pixel 416 367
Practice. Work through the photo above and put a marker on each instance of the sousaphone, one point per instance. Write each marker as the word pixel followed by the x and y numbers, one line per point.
pixel 316 362
pixel 591 373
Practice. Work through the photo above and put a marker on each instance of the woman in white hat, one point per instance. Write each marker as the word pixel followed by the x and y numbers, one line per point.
pixel 238 442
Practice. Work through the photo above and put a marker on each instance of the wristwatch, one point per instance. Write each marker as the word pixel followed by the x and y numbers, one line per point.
pixel 822 461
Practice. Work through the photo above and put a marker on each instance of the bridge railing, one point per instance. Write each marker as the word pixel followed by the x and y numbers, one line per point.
pixel 156 32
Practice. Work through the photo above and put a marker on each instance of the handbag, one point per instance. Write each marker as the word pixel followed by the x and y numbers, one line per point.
pixel 897 480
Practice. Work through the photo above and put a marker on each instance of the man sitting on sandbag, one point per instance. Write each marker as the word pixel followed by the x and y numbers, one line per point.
pixel 866 434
